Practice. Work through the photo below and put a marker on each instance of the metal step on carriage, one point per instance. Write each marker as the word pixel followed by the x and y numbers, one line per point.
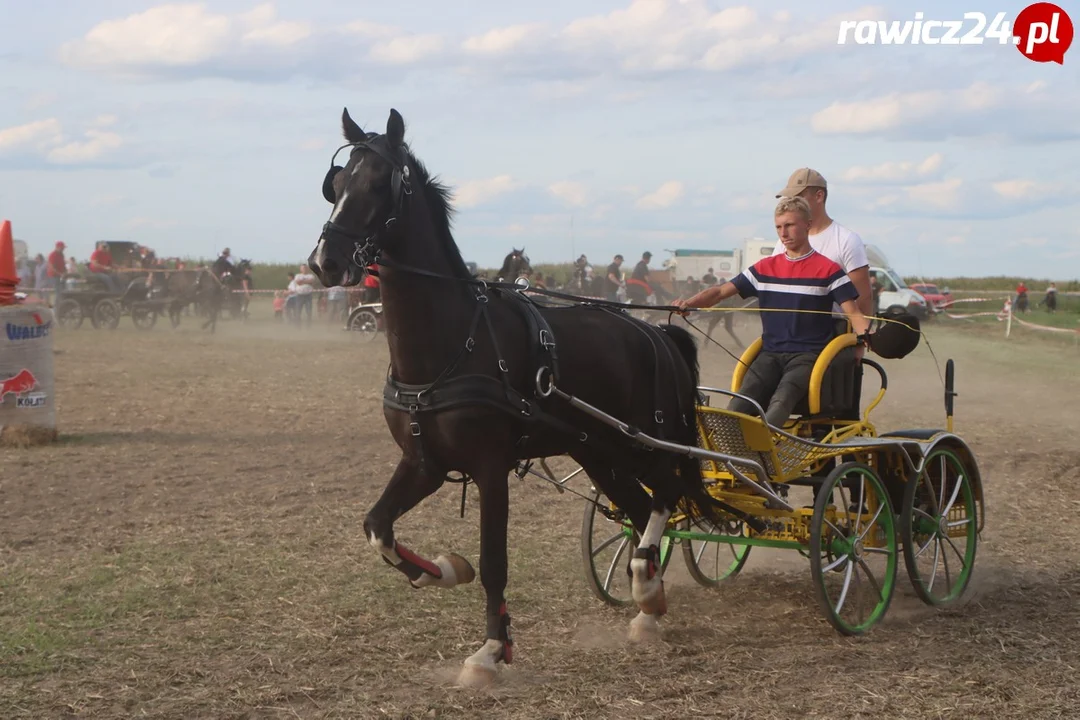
pixel 868 497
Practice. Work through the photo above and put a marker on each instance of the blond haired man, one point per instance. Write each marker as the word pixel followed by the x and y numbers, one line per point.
pixel 836 242
pixel 803 282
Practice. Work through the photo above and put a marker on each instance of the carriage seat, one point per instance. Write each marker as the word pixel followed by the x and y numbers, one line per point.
pixel 839 392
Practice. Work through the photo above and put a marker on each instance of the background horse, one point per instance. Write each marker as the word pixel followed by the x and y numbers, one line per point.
pixel 492 386
pixel 515 265
pixel 214 295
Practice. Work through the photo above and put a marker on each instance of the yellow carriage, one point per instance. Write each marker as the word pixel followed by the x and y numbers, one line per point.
pixel 866 499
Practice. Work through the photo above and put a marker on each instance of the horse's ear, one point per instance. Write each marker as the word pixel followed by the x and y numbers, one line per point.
pixel 352 132
pixel 395 128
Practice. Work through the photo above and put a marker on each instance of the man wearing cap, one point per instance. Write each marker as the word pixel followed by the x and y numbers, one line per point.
pixel 830 238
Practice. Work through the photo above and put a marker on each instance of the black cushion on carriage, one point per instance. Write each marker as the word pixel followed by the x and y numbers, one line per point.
pixel 841 389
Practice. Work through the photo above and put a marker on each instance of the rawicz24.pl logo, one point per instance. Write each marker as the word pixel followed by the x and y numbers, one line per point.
pixel 1042 32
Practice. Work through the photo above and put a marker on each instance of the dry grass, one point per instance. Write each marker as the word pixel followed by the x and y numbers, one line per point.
pixel 190 548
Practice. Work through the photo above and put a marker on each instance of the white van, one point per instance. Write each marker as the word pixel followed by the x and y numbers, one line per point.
pixel 894 292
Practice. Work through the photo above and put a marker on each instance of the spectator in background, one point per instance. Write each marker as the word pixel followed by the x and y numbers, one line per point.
pixel 335 304
pixel 279 305
pixel 638 287
pixel 40 270
pixel 613 280
pixel 290 298
pixel 371 287
pixel 305 289
pixel 709 278
pixel 55 272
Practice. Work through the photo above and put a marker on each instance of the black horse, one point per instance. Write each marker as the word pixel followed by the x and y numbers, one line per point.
pixel 515 264
pixel 474 373
pixel 213 295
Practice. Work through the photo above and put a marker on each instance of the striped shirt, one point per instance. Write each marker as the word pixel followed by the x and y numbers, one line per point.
pixel 811 282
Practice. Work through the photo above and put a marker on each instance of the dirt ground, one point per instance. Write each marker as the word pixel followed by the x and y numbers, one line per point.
pixel 192 548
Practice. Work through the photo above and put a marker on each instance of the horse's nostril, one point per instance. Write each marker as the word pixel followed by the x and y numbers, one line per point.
pixel 329 266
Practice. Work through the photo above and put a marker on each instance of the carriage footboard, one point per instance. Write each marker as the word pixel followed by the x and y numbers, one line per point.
pixel 762 485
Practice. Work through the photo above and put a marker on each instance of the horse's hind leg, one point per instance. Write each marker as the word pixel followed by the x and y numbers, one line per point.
pixel 408 486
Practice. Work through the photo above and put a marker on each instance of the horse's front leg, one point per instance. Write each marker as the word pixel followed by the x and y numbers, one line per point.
pixel 408 486
pixel 480 669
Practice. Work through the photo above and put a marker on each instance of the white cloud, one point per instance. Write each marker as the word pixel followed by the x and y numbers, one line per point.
pixel 262 27
pixel 895 172
pixel 1015 189
pixel 897 109
pixel 46 138
pixel 572 193
pixel 477 192
pixel 406 49
pixel 37 135
pixel 167 35
pixel 98 143
pixel 663 197
pixel 944 194
pixel 504 40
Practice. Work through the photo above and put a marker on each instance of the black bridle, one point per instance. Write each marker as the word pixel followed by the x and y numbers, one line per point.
pixel 368 244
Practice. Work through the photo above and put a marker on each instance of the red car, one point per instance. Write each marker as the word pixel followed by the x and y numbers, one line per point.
pixel 938 299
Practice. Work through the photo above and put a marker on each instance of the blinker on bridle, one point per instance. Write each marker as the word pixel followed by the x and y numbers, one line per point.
pixel 368 245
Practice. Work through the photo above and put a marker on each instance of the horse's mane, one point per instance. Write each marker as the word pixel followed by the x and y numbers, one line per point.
pixel 438 199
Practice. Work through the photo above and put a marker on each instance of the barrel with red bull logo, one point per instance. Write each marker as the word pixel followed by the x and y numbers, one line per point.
pixel 27 390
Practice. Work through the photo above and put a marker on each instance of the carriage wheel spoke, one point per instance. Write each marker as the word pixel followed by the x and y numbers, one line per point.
pixel 945 562
pixel 959 523
pixel 859 507
pixel 929 542
pixel 955 492
pixel 937 555
pixel 614 564
pixel 956 550
pixel 872 579
pixel 607 543
pixel 847 584
pixel 873 520
pixel 835 563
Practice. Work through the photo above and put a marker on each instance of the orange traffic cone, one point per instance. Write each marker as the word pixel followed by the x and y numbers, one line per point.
pixel 8 277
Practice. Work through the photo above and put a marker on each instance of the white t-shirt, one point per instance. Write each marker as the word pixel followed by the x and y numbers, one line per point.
pixel 842 246
pixel 836 242
pixel 303 288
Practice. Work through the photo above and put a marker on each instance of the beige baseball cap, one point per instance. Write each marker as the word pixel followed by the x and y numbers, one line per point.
pixel 802 179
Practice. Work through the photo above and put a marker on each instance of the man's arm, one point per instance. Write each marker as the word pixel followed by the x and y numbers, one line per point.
pixel 859 323
pixel 860 278
pixel 708 297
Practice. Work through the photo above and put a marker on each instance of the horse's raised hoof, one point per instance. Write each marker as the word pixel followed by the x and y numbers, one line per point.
pixel 463 571
pixel 644 629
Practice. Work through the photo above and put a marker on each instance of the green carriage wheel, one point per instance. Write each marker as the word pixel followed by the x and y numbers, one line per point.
pixel 853 548
pixel 939 530
pixel 711 562
pixel 606 548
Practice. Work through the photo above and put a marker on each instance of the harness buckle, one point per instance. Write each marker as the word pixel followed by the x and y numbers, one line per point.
pixel 546 340
pixel 414 425
pixel 659 417
pixel 470 343
pixel 527 410
pixel 502 366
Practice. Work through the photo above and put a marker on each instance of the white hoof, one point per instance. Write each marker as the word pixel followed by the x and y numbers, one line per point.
pixel 455 569
pixel 481 668
pixel 644 629
pixel 648 594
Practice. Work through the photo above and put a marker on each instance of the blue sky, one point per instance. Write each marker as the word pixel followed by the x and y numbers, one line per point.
pixel 645 125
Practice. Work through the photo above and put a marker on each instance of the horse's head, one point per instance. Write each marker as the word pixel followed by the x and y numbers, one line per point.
pixel 368 195
pixel 515 264
pixel 244 266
